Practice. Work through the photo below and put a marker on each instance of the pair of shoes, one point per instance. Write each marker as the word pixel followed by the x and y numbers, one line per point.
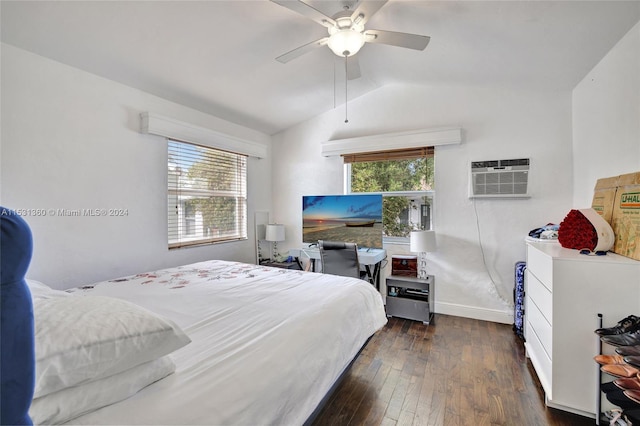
pixel 620 370
pixel 613 416
pixel 632 416
pixel 616 417
pixel 631 338
pixel 610 386
pixel 628 383
pixel 619 399
pixel 633 360
pixel 633 395
pixel 609 359
pixel 628 350
pixel 625 325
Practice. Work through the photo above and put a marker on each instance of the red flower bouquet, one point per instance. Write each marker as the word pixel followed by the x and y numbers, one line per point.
pixel 577 232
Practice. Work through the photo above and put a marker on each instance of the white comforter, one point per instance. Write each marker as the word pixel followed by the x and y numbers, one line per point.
pixel 267 343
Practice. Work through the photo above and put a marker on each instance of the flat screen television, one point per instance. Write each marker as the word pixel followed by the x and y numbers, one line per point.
pixel 353 218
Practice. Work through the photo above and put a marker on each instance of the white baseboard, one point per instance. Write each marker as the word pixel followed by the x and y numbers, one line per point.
pixel 493 315
pixel 569 409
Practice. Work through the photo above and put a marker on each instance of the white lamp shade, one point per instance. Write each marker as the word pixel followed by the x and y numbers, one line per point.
pixel 275 232
pixel 422 241
pixel 346 42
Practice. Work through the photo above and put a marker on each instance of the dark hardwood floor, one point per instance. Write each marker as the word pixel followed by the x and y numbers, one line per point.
pixel 457 371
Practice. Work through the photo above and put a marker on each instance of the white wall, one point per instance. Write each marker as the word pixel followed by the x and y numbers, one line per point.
pixel 606 118
pixel 70 140
pixel 498 124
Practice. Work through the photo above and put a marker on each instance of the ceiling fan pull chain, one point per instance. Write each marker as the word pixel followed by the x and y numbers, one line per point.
pixel 346 95
pixel 334 84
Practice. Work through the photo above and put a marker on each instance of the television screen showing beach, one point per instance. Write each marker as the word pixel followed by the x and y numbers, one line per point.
pixel 350 218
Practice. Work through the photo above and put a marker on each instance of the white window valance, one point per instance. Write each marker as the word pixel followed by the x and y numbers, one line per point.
pixel 156 124
pixel 392 141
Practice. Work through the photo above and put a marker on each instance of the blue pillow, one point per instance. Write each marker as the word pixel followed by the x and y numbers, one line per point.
pixel 17 348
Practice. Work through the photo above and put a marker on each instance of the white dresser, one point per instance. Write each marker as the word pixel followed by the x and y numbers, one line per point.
pixel 564 292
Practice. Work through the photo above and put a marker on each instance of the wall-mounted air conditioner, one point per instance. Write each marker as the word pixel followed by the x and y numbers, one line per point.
pixel 499 179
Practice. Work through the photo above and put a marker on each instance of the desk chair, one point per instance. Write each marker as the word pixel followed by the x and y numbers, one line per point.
pixel 339 258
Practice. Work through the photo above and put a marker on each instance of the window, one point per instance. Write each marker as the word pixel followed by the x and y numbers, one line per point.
pixel 406 180
pixel 207 195
pixel 190 218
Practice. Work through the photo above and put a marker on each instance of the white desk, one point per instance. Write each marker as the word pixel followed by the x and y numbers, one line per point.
pixel 367 257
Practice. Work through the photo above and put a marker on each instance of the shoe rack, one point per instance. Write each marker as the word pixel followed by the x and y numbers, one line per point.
pixel 625 410
pixel 599 384
pixel 599 414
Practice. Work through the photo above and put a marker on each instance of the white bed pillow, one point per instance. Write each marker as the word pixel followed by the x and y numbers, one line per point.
pixel 67 404
pixel 42 291
pixel 82 338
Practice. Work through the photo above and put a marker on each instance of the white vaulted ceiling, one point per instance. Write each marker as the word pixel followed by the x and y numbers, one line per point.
pixel 219 56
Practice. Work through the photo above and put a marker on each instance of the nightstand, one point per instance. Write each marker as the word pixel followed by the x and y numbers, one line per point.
pixel 410 297
pixel 283 265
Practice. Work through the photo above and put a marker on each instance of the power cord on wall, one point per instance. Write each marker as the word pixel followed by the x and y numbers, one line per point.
pixel 494 289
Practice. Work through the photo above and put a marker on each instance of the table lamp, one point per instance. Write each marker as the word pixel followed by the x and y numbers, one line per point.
pixel 274 233
pixel 422 242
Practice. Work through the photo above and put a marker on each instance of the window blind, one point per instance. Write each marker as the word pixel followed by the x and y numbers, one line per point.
pixel 206 195
pixel 398 154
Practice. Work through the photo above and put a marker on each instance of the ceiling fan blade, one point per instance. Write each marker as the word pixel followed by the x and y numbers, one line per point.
pixel 308 11
pixel 353 68
pixel 367 9
pixel 299 51
pixel 410 41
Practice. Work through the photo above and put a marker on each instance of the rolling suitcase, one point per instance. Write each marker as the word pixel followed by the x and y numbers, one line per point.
pixel 518 299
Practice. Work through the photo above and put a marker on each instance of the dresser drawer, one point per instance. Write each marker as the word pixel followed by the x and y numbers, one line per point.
pixel 540 265
pixel 540 295
pixel 540 327
pixel 407 308
pixel 540 360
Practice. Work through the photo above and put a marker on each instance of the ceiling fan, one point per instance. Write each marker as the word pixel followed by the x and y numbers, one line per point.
pixel 347 33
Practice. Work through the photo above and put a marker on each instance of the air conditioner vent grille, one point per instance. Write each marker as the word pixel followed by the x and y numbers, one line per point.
pixel 500 179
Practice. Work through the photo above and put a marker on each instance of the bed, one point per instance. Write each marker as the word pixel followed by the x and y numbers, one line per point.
pixel 245 344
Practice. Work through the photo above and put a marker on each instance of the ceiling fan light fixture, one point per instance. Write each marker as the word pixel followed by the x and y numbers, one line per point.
pixel 346 42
